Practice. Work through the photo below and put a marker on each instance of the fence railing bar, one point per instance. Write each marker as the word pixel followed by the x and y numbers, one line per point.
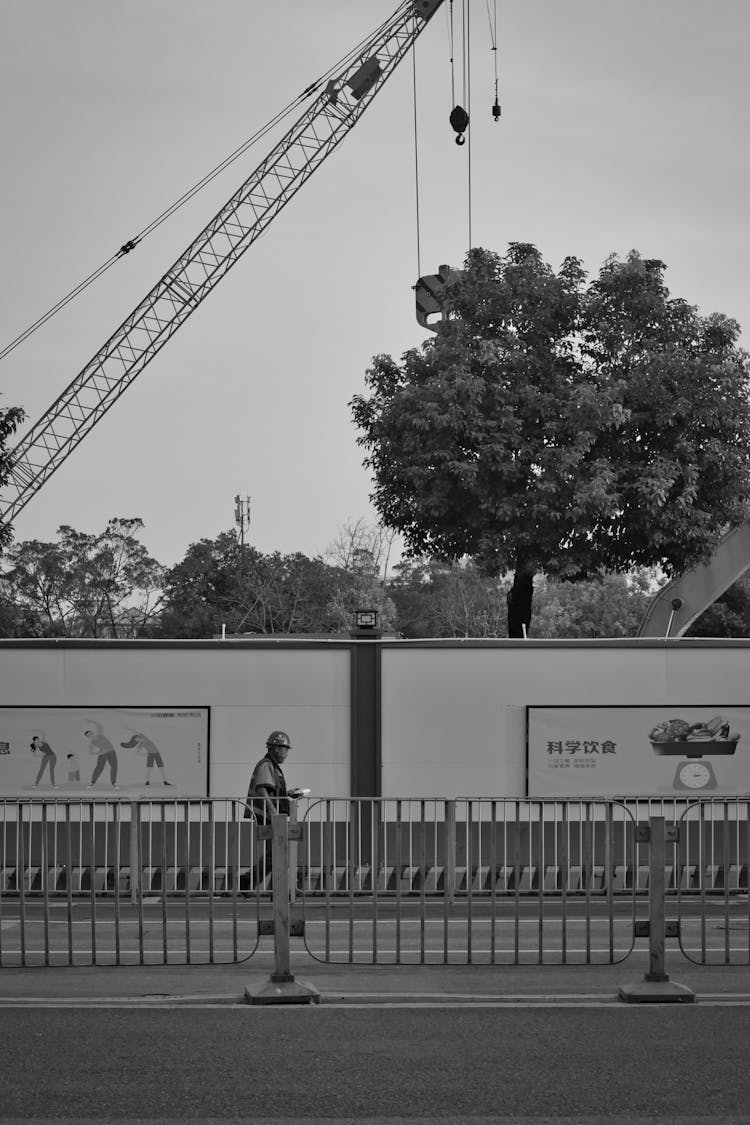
pixel 116 876
pixel 468 835
pixel 92 879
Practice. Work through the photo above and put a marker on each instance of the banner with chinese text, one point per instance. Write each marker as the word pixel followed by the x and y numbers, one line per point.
pixel 638 751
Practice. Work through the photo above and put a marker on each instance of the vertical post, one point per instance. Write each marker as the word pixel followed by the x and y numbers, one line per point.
pixel 135 850
pixel 450 851
pixel 282 988
pixel 280 874
pixel 293 852
pixel 656 903
pixel 365 746
pixel 656 986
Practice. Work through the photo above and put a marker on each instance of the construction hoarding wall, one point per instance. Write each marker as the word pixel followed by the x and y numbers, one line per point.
pixel 454 714
pixel 449 717
pixel 236 693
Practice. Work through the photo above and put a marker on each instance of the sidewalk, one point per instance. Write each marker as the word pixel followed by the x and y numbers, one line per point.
pixel 356 984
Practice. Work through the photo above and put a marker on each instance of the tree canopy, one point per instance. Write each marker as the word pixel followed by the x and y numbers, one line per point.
pixel 224 585
pixel 556 426
pixel 83 585
pixel 10 419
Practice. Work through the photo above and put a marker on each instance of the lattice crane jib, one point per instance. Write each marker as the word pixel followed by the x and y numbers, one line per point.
pixel 325 122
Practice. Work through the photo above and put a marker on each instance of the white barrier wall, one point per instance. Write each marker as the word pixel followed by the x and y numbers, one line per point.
pixel 453 714
pixel 250 691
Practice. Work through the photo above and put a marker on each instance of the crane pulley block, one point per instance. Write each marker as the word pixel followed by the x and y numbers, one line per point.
pixel 429 293
pixel 365 78
pixel 426 8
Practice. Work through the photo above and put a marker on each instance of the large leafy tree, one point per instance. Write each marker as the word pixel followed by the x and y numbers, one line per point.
pixel 10 419
pixel 561 427
pixel 84 584
pixel 224 585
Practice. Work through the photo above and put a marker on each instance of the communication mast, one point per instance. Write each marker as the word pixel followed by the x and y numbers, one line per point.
pixel 242 515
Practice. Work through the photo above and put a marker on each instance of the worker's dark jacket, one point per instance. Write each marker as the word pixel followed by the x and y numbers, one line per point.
pixel 257 807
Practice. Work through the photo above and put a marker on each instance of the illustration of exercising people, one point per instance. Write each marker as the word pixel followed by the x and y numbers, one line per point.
pixel 151 750
pixel 49 759
pixel 106 754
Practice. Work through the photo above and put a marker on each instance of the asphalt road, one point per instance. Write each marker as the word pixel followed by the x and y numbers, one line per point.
pixel 618 1063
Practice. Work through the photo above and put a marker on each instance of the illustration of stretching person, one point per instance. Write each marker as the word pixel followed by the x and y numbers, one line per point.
pixel 106 752
pixel 151 750
pixel 49 759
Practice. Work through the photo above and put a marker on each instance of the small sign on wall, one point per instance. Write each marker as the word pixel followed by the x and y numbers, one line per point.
pixel 638 751
pixel 113 752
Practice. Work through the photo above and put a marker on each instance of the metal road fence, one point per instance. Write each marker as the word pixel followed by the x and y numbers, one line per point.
pixel 377 880
pixel 120 882
pixel 469 881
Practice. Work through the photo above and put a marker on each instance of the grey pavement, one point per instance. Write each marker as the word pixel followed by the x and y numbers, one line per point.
pixel 366 983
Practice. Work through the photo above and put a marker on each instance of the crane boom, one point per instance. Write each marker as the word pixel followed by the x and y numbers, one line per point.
pixel 677 605
pixel 305 146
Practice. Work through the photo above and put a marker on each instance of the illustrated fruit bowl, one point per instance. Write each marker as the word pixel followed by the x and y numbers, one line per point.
pixel 697 749
pixel 675 737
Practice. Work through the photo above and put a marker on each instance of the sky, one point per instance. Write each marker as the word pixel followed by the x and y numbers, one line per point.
pixel 624 126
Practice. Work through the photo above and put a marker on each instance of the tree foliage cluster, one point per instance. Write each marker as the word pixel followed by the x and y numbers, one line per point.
pixel 562 428
pixel 10 420
pixel 82 585
pixel 107 585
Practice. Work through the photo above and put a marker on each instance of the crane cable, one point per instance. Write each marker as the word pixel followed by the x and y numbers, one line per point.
pixel 492 18
pixel 449 17
pixel 131 243
pixel 467 97
pixel 416 156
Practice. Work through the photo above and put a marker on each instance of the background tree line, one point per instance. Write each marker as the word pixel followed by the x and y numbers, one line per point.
pixel 107 585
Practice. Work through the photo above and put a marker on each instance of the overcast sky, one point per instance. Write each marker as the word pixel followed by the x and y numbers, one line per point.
pixel 624 125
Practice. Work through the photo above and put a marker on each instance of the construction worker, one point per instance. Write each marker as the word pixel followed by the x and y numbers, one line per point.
pixel 268 794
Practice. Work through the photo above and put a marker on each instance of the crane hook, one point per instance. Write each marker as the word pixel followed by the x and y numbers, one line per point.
pixel 459 120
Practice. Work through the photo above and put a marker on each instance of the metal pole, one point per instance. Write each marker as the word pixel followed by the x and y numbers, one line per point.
pixel 135 862
pixel 450 851
pixel 656 986
pixel 282 987
pixel 280 868
pixel 656 902
pixel 292 852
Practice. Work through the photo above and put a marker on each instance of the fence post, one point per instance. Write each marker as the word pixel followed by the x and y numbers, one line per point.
pixel 293 851
pixel 450 851
pixel 135 853
pixel 656 987
pixel 282 988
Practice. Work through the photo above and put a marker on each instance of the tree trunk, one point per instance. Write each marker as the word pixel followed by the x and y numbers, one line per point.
pixel 519 602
